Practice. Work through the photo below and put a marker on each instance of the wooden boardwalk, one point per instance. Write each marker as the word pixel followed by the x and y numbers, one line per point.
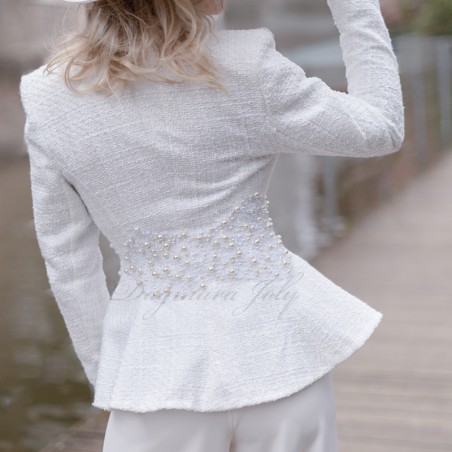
pixel 86 435
pixel 395 393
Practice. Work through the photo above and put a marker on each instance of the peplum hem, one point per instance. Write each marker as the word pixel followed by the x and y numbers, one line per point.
pixel 255 343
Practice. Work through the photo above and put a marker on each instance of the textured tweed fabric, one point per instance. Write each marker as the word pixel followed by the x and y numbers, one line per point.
pixel 171 172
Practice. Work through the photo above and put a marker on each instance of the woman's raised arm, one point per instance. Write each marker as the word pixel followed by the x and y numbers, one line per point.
pixel 305 115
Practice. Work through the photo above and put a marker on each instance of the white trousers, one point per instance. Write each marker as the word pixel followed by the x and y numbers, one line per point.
pixel 302 422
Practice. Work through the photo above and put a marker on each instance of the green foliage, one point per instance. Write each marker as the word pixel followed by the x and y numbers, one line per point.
pixel 434 18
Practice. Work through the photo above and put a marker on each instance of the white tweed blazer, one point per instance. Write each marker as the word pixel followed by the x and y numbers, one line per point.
pixel 211 311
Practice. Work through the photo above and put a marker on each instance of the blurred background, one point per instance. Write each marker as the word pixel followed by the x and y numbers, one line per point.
pixel 315 202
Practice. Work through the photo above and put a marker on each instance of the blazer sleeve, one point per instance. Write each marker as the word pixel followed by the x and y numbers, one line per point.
pixel 68 240
pixel 304 114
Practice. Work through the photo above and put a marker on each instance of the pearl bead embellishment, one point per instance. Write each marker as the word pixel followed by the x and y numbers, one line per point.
pixel 239 248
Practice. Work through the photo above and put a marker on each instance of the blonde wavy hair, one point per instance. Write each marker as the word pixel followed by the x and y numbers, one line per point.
pixel 111 45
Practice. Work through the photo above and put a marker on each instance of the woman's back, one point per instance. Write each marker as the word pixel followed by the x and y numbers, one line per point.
pixel 211 311
pixel 158 156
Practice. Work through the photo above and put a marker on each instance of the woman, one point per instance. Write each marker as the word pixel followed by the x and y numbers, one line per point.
pixel 162 133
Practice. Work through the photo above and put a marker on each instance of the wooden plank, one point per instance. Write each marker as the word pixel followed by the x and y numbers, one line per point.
pixel 86 435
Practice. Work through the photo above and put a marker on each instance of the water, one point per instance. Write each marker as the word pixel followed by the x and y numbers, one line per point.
pixel 42 386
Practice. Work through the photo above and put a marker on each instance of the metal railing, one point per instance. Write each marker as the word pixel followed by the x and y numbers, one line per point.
pixel 426 75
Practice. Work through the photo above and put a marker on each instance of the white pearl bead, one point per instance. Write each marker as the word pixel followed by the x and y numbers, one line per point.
pixel 208 251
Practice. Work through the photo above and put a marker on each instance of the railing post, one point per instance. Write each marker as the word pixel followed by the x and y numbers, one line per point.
pixel 332 222
pixel 444 73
